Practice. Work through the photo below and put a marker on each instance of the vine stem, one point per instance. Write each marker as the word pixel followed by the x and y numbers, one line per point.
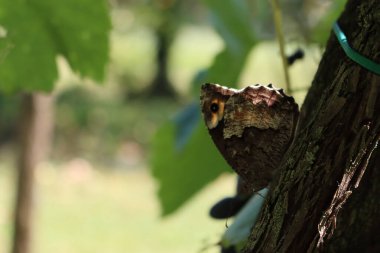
pixel 281 42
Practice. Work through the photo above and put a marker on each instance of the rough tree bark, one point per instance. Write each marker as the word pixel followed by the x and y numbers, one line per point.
pixel 35 136
pixel 320 179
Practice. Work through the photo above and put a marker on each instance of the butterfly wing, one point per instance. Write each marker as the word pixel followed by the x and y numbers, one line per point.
pixel 253 131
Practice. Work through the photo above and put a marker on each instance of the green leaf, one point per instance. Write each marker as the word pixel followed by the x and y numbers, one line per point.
pixel 227 67
pixel 234 24
pixel 28 60
pixel 79 29
pixel 186 121
pixel 39 30
pixel 183 173
pixel 321 32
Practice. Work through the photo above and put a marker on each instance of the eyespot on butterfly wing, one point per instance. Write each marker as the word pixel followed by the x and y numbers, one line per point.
pixel 252 128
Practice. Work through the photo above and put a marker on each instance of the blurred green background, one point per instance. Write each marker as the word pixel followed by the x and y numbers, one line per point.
pixel 128 146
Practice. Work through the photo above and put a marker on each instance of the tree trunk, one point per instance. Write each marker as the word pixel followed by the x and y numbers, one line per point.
pixel 320 183
pixel 161 86
pixel 165 32
pixel 35 136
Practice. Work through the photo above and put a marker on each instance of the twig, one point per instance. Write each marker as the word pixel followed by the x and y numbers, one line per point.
pixel 281 42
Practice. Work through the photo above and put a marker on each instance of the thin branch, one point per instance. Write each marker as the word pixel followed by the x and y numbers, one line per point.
pixel 281 42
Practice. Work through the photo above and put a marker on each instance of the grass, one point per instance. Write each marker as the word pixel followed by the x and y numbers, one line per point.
pixel 115 211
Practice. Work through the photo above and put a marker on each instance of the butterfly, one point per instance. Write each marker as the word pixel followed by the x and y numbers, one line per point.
pixel 252 129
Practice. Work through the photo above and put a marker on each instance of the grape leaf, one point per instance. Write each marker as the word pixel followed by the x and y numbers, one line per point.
pixel 183 171
pixel 39 30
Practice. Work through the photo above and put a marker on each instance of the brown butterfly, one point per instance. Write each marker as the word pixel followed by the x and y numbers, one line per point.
pixel 252 128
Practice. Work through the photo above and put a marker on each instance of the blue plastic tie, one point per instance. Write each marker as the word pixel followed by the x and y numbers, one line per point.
pixel 352 54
